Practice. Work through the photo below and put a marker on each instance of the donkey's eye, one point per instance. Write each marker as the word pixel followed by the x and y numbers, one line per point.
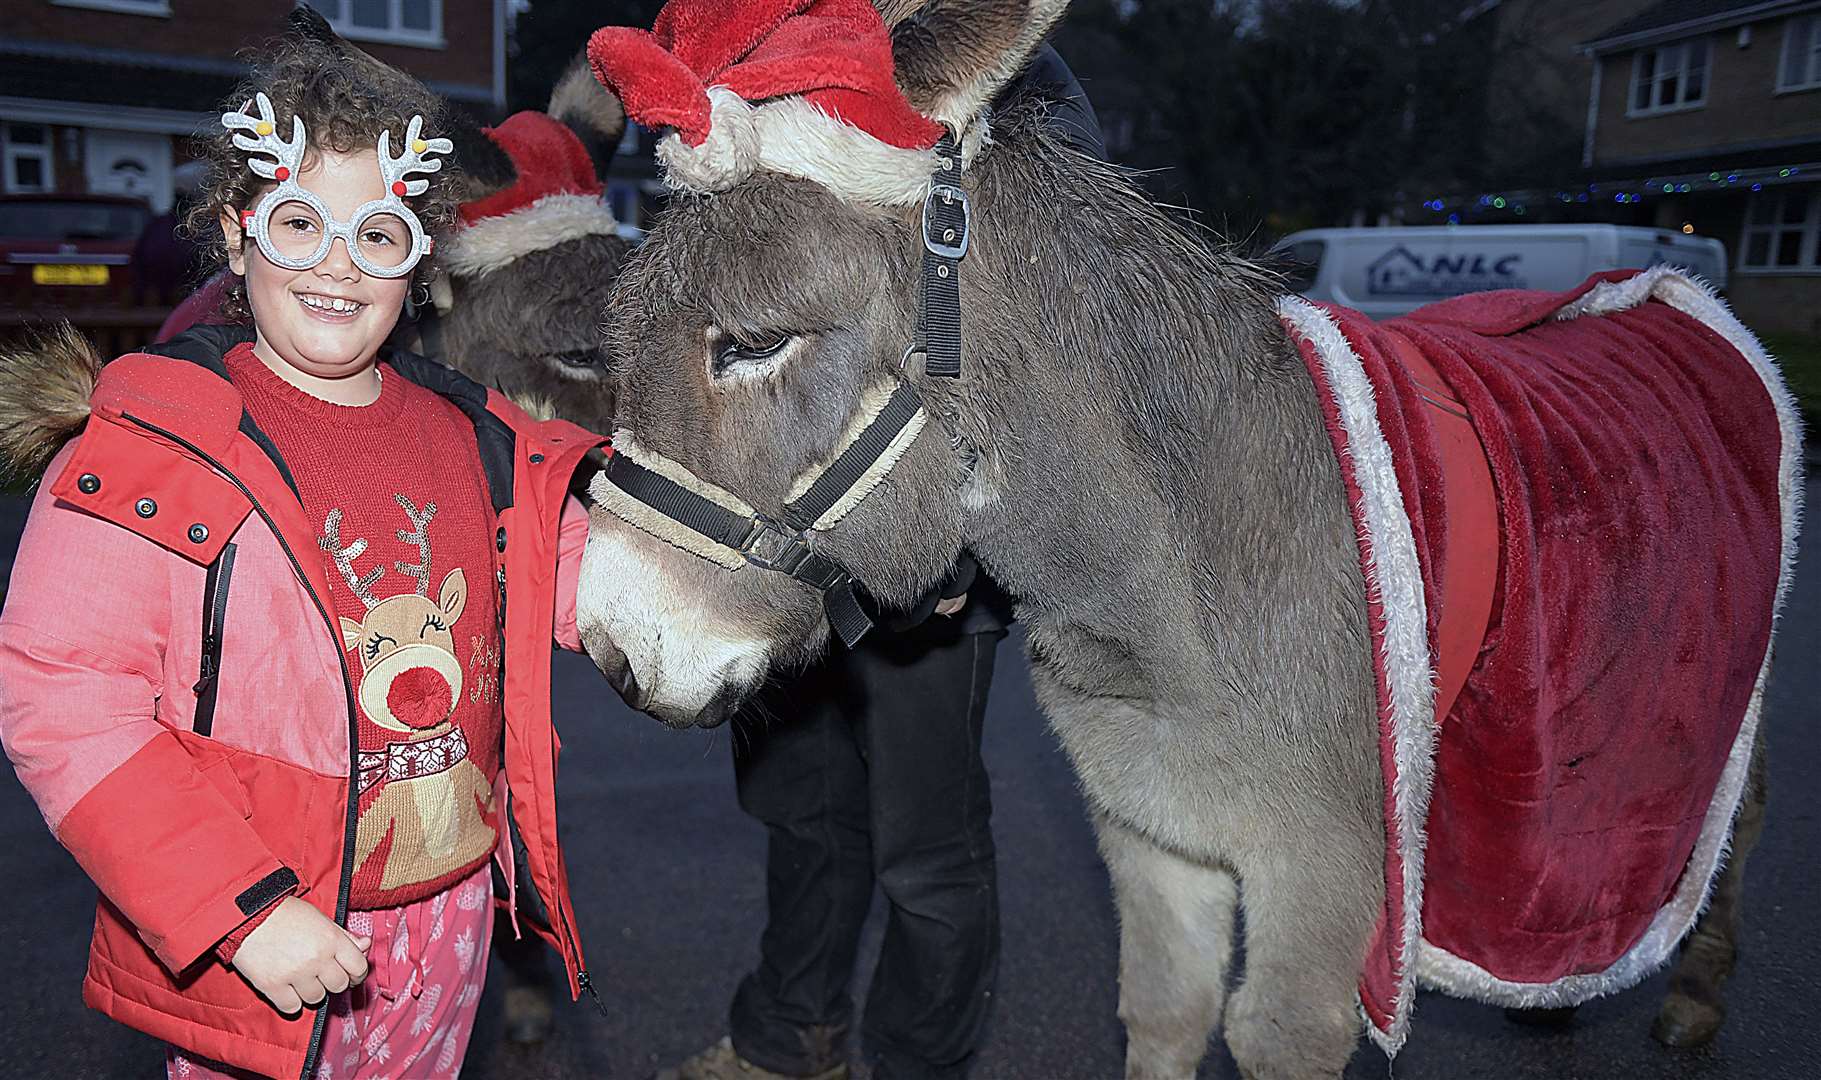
pixel 735 354
pixel 586 364
pixel 373 644
pixel 431 622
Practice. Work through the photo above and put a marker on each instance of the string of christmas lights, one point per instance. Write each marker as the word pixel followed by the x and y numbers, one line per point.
pixel 1624 191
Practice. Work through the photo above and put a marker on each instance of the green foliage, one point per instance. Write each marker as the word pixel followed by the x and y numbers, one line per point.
pixel 1281 115
pixel 1799 355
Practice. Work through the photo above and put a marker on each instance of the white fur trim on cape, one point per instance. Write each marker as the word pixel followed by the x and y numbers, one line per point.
pixel 493 242
pixel 872 403
pixel 1445 971
pixel 645 519
pixel 1394 579
pixel 793 137
pixel 1389 544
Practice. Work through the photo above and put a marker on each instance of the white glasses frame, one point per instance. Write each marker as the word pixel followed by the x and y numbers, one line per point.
pixel 262 138
pixel 259 224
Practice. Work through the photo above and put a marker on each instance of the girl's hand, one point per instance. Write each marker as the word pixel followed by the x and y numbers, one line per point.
pixel 298 957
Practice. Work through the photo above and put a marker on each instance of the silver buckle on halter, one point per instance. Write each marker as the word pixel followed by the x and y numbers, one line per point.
pixel 770 546
pixel 945 247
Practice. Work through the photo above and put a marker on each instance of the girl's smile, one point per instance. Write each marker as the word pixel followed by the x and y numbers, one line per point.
pixel 330 309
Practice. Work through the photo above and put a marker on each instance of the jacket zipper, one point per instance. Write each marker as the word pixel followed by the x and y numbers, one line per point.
pixel 214 620
pixel 347 684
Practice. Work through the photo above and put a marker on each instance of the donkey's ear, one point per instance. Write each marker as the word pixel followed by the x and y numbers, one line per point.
pixel 953 56
pixel 590 110
pixel 483 168
pixel 453 596
pixel 308 22
pixel 350 633
pixel 896 11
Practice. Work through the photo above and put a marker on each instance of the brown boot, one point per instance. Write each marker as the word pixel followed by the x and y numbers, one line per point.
pixel 722 1062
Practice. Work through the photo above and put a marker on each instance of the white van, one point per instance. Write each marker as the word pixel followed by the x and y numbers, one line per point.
pixel 1385 272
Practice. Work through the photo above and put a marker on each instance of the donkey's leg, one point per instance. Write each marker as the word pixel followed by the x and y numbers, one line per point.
pixel 1175 940
pixel 1693 1009
pixel 1310 900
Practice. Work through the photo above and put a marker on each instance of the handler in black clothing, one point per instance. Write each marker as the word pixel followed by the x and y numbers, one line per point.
pixel 867 769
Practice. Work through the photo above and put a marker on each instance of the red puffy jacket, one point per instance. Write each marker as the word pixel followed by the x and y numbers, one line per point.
pixel 101 647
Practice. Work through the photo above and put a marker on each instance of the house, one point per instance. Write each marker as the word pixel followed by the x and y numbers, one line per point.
pixel 102 96
pixel 1702 116
pixel 1706 115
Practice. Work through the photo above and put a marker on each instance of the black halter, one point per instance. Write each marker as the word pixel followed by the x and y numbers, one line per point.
pixel 784 545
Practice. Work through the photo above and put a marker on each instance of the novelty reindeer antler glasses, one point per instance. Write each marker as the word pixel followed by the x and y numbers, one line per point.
pixel 294 228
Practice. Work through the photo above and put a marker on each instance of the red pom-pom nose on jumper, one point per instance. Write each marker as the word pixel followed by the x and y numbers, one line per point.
pixel 420 697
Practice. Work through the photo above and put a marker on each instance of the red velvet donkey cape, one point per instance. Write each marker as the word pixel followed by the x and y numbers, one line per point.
pixel 1577 518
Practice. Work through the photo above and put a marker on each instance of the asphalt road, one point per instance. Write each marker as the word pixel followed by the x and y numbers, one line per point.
pixel 668 887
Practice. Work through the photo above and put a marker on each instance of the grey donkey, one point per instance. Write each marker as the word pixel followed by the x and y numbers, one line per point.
pixel 1137 453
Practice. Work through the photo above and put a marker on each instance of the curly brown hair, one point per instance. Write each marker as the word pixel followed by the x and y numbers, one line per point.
pixel 346 98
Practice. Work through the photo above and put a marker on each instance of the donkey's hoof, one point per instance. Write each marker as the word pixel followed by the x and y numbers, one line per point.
pixel 528 1014
pixel 1685 1023
pixel 1542 1018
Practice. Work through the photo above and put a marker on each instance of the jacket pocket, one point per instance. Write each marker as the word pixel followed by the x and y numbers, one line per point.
pixel 215 590
pixel 220 772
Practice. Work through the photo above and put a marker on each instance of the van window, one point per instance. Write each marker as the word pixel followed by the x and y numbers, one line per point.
pixel 1301 263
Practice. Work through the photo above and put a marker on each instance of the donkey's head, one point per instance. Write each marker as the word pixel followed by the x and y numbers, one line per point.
pixel 530 270
pixel 410 676
pixel 766 326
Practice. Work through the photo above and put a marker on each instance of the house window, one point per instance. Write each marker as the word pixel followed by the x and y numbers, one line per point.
pixel 402 22
pixel 25 150
pixel 1801 66
pixel 1782 228
pixel 1669 78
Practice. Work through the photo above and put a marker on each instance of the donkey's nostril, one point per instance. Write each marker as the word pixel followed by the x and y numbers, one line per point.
pixel 420 697
pixel 619 674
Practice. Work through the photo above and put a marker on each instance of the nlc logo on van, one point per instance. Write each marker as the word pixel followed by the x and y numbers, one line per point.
pixel 1402 272
pixel 1386 272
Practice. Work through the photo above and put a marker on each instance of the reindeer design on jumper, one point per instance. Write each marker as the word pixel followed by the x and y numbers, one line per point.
pixel 434 799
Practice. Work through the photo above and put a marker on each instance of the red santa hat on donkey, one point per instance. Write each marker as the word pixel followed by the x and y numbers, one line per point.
pixel 555 197
pixel 800 87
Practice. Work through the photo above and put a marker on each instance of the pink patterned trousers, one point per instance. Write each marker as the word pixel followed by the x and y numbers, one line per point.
pixel 411 1018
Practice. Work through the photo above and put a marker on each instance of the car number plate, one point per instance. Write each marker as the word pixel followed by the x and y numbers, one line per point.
pixel 65 274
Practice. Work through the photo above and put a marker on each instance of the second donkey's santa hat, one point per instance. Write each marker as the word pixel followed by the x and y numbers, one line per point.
pixel 801 87
pixel 555 196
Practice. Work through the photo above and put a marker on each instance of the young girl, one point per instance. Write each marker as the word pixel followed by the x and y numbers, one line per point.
pixel 277 638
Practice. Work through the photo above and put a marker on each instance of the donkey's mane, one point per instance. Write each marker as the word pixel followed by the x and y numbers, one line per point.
pixel 1178 328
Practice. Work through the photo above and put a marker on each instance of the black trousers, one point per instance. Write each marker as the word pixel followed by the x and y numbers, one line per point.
pixel 867 769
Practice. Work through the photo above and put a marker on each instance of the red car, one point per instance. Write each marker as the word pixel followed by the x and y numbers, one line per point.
pixel 69 251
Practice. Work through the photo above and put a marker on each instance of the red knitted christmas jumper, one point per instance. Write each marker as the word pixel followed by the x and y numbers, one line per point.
pixel 406 529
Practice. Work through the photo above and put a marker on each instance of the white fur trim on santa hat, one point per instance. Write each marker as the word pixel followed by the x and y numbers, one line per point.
pixel 493 242
pixel 794 137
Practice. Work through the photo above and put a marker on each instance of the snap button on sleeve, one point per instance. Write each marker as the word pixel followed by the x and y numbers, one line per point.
pixel 145 508
pixel 88 483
